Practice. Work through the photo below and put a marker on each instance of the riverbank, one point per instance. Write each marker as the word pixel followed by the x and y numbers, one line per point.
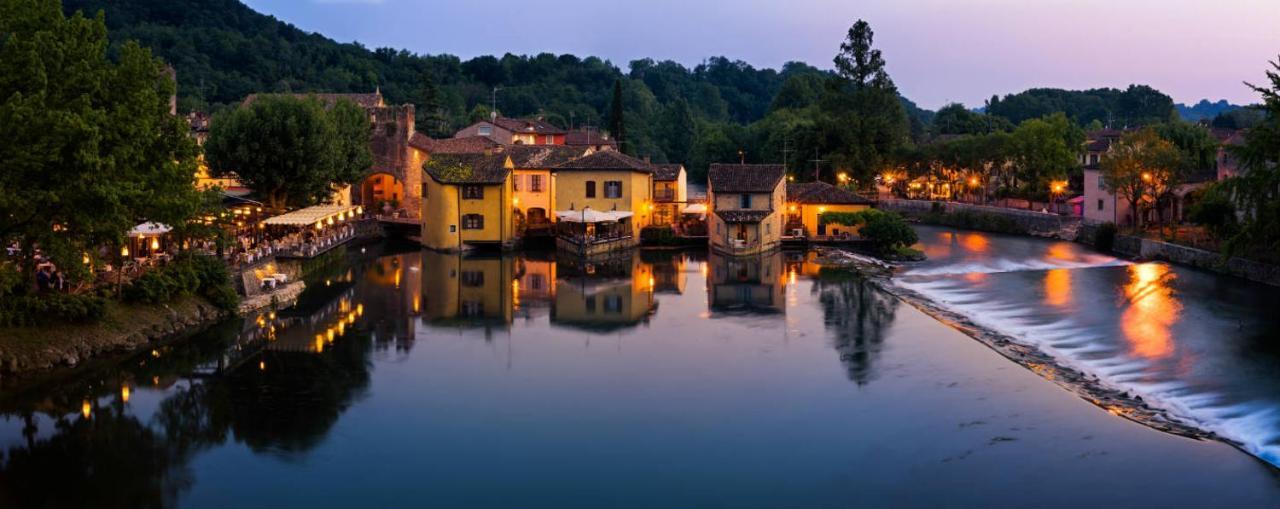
pixel 126 327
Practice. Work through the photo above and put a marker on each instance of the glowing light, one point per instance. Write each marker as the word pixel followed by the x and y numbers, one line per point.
pixel 515 200
pixel 124 393
pixel 359 309
pixel 124 251
pixel 975 242
pixel 155 353
pixel 793 208
pixel 973 181
pixel 319 345
pixel 1153 310
pixel 86 409
pixel 262 365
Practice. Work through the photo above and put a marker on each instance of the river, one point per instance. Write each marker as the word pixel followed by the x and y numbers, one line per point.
pixel 667 378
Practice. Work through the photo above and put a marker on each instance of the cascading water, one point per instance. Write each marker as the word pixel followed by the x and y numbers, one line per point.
pixel 1202 346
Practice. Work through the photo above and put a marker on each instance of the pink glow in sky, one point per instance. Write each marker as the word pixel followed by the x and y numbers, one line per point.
pixel 938 50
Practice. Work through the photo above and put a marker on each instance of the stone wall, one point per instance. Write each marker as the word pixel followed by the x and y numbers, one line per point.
pixel 1039 224
pixel 1150 249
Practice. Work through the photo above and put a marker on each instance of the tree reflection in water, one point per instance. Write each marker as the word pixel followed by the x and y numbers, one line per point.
pixel 858 314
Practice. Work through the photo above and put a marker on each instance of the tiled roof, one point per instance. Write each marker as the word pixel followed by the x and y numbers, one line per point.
pixel 1098 145
pixel 822 192
pixel 533 125
pixel 464 145
pixel 467 168
pixel 537 157
pixel 366 101
pixel 607 160
pixel 584 137
pixel 666 172
pixel 745 178
pixel 743 216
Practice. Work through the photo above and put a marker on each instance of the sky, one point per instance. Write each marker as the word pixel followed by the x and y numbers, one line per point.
pixel 938 51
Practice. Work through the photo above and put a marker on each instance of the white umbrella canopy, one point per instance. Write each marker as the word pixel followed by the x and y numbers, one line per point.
pixel 588 215
pixel 695 208
pixel 149 229
pixel 312 215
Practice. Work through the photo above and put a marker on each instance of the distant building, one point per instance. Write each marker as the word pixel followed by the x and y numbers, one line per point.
pixel 512 131
pixel 1101 205
pixel 747 201
pixel 590 137
pixel 1228 164
pixel 607 182
pixel 467 202
pixel 807 201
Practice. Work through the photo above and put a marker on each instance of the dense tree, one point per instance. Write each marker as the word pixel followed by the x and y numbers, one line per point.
pixel 1043 151
pixel 90 148
pixel 291 150
pixel 1140 168
pixel 862 119
pixel 954 118
pixel 1257 191
pixel 1137 105
pixel 617 122
pixel 858 63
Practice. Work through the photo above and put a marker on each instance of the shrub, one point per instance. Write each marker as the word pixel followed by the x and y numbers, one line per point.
pixel 25 310
pixel 187 275
pixel 658 235
pixel 887 232
pixel 1105 238
pixel 1216 213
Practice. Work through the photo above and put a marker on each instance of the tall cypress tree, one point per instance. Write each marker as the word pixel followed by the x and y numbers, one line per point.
pixel 617 127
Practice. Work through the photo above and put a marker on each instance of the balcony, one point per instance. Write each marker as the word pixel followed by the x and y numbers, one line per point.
pixel 664 195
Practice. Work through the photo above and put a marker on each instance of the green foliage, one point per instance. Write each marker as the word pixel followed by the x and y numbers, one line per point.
pixel 188 275
pixel 451 170
pixel 1105 238
pixel 52 308
pixel 1044 150
pixel 88 141
pixel 1141 168
pixel 293 151
pixel 848 218
pixel 617 122
pixel 1214 209
pixel 659 236
pixel 954 118
pixel 973 220
pixel 888 232
pixel 1257 191
pixel 1198 146
pixel 1136 105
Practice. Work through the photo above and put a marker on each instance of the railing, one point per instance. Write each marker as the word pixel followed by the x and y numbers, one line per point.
pixel 664 195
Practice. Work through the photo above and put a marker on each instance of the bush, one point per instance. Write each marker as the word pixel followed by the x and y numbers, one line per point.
pixel 887 232
pixel 187 275
pixel 980 221
pixel 1216 213
pixel 1105 238
pixel 25 310
pixel 658 236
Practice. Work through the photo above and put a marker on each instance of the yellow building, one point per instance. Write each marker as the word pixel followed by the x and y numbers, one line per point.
pixel 747 201
pixel 608 196
pixel 468 290
pixel 806 201
pixel 531 180
pixel 670 193
pixel 467 201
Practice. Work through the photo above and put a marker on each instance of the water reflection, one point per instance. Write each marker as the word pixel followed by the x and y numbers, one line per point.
pixel 469 291
pixel 1152 310
pixel 604 294
pixel 858 316
pixel 753 284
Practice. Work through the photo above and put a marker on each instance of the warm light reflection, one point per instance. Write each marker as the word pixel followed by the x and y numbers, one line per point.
pixel 1057 287
pixel 1152 310
pixel 975 277
pixel 1062 251
pixel 124 393
pixel 975 242
pixel 86 409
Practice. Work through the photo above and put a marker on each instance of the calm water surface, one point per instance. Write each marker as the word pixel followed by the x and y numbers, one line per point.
pixel 672 378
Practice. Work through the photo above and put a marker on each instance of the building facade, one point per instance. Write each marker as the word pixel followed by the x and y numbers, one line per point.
pixel 670 193
pixel 467 202
pixel 606 181
pixel 746 201
pixel 514 131
pixel 807 201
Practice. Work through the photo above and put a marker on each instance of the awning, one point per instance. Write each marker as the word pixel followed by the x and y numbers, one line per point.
pixel 695 208
pixel 588 215
pixel 313 215
pixel 149 229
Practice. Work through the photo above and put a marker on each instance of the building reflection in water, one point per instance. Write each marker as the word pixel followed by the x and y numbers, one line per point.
pixel 754 284
pixel 1151 311
pixel 604 294
pixel 469 290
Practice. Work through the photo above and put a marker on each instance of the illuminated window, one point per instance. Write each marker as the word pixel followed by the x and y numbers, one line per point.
pixel 472 222
pixel 535 183
pixel 485 130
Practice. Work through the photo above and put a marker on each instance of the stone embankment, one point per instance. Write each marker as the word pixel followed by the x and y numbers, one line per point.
pixel 1027 222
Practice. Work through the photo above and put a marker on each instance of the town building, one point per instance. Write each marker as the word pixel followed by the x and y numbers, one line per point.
pixel 1228 164
pixel 808 201
pixel 590 137
pixel 513 131
pixel 532 181
pixel 602 200
pixel 754 284
pixel 1100 204
pixel 747 203
pixel 670 193
pixel 467 202
pixel 468 290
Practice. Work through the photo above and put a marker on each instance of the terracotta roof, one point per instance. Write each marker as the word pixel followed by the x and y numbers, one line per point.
pixel 822 192
pixel 467 168
pixel 745 178
pixel 366 101
pixel 666 172
pixel 607 160
pixel 743 216
pixel 1098 145
pixel 464 145
pixel 593 137
pixel 519 125
pixel 536 157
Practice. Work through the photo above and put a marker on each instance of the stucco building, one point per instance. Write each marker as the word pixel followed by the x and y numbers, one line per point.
pixel 467 202
pixel 747 201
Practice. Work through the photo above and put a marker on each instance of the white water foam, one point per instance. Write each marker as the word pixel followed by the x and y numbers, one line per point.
pixel 1254 425
pixel 1000 265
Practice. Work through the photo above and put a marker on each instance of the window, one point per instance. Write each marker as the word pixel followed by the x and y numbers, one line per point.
pixel 613 304
pixel 472 192
pixel 768 228
pixel 515 182
pixel 537 282
pixel 591 304
pixel 424 191
pixel 471 308
pixel 485 130
pixel 535 183
pixel 472 278
pixel 613 189
pixel 744 201
pixel 472 222
pixel 453 228
pixel 591 189
pixel 1102 183
pixel 551 140
pixel 1100 204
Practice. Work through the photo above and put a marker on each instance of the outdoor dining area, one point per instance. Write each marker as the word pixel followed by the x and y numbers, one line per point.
pixel 589 231
pixel 311 231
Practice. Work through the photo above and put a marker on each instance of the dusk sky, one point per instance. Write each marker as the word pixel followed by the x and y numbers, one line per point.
pixel 938 51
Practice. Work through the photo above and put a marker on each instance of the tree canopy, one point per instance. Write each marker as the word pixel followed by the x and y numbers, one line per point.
pixel 291 150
